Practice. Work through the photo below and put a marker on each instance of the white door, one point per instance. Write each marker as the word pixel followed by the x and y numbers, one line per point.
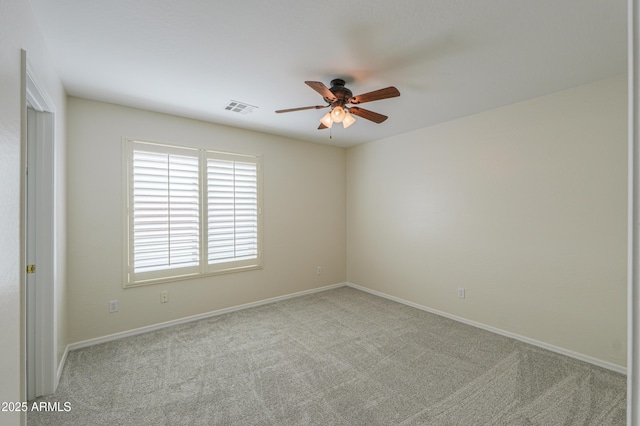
pixel 31 253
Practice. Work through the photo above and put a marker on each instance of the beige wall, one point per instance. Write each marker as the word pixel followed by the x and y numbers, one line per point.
pixel 304 219
pixel 19 30
pixel 524 206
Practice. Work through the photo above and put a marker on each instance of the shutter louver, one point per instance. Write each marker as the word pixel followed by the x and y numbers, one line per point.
pixel 166 232
pixel 232 198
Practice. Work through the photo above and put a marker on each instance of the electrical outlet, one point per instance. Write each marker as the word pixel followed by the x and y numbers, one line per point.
pixel 319 270
pixel 113 306
pixel 164 296
pixel 461 293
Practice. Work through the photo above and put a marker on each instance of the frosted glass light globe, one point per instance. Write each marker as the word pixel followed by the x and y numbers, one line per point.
pixel 337 114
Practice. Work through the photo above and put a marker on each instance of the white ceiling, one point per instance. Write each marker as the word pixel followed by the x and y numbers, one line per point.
pixel 448 58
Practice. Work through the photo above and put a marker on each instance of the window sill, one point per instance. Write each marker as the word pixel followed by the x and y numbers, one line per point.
pixel 192 276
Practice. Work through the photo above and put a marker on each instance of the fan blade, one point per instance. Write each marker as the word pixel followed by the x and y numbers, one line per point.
pixel 301 109
pixel 322 126
pixel 322 89
pixel 376 95
pixel 369 115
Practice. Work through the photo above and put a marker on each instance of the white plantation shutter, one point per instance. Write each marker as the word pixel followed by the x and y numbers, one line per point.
pixel 190 212
pixel 164 212
pixel 233 212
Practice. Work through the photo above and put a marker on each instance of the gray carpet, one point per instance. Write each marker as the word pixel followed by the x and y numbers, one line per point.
pixel 339 357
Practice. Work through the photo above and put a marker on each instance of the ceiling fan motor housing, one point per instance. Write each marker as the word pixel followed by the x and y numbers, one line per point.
pixel 342 94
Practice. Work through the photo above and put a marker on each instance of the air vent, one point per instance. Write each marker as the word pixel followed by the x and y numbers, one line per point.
pixel 239 107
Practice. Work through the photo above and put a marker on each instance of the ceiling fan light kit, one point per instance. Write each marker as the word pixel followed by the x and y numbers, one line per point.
pixel 344 117
pixel 338 96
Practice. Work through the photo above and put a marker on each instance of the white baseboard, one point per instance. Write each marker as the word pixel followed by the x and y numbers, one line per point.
pixel 146 329
pixel 149 328
pixel 543 345
pixel 61 367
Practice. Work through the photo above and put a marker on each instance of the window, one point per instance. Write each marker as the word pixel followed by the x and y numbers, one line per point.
pixel 190 212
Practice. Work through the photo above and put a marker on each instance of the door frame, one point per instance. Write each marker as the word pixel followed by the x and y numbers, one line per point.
pixel 45 356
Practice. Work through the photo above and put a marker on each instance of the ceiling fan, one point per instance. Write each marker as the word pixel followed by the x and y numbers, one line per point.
pixel 338 97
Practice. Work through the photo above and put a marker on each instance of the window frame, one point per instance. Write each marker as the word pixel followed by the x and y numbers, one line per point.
pixel 204 268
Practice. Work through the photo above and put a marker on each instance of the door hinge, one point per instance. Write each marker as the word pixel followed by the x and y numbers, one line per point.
pixel 31 269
